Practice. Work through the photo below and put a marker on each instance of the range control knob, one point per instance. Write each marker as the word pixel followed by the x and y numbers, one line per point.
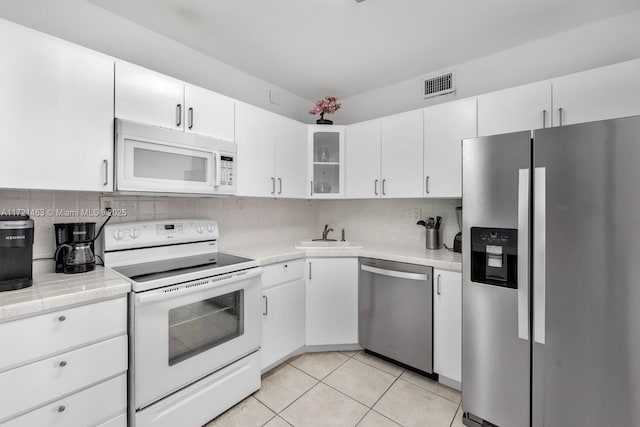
pixel 134 233
pixel 210 228
pixel 199 228
pixel 118 234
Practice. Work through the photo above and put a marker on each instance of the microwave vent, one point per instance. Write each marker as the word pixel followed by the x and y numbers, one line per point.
pixel 439 85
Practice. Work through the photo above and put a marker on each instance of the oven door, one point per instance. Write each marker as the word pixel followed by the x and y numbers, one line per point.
pixel 184 332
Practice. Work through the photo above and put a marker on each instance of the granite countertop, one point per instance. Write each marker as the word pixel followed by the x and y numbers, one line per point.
pixel 51 290
pixel 280 252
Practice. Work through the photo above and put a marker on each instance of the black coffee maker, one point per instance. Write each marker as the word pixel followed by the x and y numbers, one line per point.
pixel 74 247
pixel 16 252
pixel 457 241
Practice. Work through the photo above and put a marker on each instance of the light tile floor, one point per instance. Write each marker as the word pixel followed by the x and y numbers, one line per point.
pixel 344 389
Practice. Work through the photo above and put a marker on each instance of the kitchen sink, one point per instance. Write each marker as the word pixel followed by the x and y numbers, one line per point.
pixel 313 244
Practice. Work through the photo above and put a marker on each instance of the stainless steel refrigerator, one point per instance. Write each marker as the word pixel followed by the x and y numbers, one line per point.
pixel 551 277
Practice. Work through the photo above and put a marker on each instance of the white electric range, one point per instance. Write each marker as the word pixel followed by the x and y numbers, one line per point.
pixel 194 320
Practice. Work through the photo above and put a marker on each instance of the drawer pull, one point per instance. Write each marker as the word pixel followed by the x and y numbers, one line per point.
pixel 62 318
pixel 61 408
pixel 62 364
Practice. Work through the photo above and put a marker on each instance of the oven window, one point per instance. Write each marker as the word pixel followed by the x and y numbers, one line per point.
pixel 202 325
pixel 162 165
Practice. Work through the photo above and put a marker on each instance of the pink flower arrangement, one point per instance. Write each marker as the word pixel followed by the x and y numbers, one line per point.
pixel 327 105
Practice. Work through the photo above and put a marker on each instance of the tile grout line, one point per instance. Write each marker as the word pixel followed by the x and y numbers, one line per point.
pixel 455 414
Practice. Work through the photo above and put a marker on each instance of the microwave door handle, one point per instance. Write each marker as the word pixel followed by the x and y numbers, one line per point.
pixel 217 169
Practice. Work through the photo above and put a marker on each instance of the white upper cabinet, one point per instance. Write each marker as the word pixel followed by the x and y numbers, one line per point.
pixel 516 109
pixel 291 152
pixel 445 126
pixel 600 94
pixel 326 160
pixel 363 148
pixel 56 113
pixel 256 143
pixel 402 155
pixel 208 113
pixel 148 97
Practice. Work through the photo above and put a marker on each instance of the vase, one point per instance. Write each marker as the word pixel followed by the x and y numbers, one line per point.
pixel 323 121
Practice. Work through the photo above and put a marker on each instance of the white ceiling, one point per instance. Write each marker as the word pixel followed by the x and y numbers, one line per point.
pixel 316 48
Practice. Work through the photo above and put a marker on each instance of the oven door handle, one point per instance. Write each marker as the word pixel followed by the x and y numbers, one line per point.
pixel 171 292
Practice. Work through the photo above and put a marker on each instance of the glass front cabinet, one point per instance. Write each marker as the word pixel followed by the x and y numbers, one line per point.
pixel 326 162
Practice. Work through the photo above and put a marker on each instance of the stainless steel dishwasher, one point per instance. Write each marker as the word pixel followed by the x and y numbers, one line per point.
pixel 395 311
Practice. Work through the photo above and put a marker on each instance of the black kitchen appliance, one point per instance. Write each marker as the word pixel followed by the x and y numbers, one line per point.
pixel 74 247
pixel 16 252
pixel 457 241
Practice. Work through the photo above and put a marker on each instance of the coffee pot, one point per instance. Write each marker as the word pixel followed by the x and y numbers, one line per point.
pixel 74 247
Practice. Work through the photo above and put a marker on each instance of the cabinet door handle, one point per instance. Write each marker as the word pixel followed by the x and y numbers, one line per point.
pixel 426 184
pixel 190 117
pixel 105 166
pixel 544 119
pixel 266 305
pixel 179 115
pixel 438 285
pixel 62 318
pixel 309 271
pixel 62 364
pixel 280 185
pixel 560 114
pixel 383 182
pixel 312 188
pixel 375 187
pixel 61 408
pixel 273 185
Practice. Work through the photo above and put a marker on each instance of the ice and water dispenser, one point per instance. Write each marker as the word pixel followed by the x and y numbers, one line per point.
pixel 494 256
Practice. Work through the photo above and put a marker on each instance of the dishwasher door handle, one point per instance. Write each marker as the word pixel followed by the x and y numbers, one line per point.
pixel 393 273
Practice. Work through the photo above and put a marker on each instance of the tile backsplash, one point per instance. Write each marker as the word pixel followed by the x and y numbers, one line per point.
pixel 387 220
pixel 242 221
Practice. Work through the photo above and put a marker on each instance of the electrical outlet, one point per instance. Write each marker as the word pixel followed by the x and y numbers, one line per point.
pixel 417 213
pixel 274 97
pixel 107 203
pixel 240 205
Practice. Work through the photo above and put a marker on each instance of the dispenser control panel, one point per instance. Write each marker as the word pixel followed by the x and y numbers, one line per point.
pixel 494 256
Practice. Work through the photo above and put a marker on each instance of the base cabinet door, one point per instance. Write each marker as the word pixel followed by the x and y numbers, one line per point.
pixel 282 321
pixel 332 301
pixel 600 94
pixel 447 324
pixel 56 114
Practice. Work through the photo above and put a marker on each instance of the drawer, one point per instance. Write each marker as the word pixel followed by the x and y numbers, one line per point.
pixel 45 380
pixel 86 408
pixel 283 272
pixel 36 337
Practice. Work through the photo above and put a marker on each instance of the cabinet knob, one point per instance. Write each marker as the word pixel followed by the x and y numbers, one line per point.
pixel 62 318
pixel 62 364
pixel 61 408
pixel 286 266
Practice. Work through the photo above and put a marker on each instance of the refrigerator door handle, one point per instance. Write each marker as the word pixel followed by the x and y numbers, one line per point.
pixel 523 254
pixel 539 256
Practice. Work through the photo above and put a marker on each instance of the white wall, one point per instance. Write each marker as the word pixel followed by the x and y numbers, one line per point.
pixel 595 45
pixel 88 25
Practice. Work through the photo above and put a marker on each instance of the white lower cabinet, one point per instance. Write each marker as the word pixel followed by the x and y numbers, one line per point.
pixel 72 370
pixel 332 301
pixel 447 324
pixel 283 303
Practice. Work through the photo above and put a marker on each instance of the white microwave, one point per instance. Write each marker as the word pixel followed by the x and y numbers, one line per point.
pixel 157 160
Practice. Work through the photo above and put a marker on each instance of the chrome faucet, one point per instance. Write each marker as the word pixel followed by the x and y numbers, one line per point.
pixel 326 232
